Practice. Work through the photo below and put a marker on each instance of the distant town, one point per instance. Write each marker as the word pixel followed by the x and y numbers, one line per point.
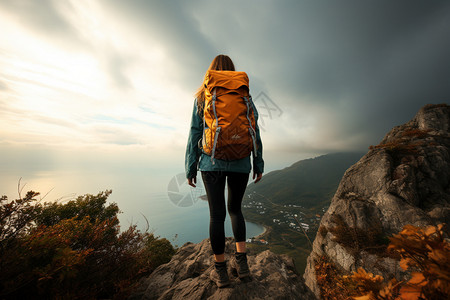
pixel 290 216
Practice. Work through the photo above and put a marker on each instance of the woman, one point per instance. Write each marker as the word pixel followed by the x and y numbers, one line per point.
pixel 215 172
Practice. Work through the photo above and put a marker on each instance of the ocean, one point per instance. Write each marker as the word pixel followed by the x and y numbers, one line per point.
pixel 173 209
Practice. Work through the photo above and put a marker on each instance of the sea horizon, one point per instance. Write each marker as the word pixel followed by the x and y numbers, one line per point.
pixel 179 223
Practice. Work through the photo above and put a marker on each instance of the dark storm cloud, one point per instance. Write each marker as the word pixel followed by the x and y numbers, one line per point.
pixel 330 47
pixel 376 63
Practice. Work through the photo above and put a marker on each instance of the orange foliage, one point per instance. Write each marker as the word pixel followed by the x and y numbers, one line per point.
pixel 332 285
pixel 373 286
pixel 398 147
pixel 354 239
pixel 424 252
pixel 428 253
pixel 419 133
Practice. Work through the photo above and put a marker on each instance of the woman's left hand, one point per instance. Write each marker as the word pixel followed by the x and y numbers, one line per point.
pixel 192 181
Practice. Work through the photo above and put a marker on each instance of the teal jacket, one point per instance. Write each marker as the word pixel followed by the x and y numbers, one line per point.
pixel 195 159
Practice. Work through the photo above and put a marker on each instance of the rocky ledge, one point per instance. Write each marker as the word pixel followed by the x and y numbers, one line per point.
pixel 186 276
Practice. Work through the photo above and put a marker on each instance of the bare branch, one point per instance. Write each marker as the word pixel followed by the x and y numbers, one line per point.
pixel 42 198
pixel 303 231
pixel 19 189
pixel 148 224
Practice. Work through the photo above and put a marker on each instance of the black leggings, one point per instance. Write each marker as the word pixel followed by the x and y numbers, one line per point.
pixel 214 182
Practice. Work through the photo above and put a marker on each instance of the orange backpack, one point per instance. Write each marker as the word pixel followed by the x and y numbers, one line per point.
pixel 228 117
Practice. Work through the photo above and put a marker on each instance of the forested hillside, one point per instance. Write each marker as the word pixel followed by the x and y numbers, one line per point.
pixel 310 183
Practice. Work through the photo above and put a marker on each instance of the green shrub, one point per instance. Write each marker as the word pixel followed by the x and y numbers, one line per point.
pixel 73 250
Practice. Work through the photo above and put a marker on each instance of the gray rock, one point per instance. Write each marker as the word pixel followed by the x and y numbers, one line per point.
pixel 404 180
pixel 186 276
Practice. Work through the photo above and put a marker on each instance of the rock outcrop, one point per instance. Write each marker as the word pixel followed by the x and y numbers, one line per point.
pixel 186 276
pixel 403 180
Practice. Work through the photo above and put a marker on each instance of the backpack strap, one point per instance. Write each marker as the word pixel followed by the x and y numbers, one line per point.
pixel 216 136
pixel 250 129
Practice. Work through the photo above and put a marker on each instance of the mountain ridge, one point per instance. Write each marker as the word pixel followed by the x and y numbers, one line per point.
pixel 312 181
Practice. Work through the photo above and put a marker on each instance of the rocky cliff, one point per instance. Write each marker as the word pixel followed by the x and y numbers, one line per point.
pixel 403 180
pixel 186 276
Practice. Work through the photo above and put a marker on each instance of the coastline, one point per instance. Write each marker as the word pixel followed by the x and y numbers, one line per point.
pixel 261 235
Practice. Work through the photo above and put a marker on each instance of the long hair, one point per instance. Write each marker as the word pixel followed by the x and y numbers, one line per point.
pixel 220 63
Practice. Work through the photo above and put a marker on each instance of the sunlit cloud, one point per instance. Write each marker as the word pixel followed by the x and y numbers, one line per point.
pixel 103 92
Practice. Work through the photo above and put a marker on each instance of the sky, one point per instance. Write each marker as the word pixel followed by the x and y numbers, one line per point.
pixel 110 81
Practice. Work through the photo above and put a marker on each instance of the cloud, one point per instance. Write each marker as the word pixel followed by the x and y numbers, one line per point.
pixel 171 25
pixel 3 86
pixel 76 27
pixel 343 73
pixel 42 16
pixel 359 68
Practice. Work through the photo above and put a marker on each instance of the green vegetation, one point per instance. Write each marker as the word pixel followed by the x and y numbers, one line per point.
pixel 72 251
pixel 298 194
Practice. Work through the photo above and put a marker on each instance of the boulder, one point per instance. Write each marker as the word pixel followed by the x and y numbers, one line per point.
pixel 403 180
pixel 186 276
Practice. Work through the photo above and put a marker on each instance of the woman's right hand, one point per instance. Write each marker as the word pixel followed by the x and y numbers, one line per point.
pixel 192 181
pixel 257 176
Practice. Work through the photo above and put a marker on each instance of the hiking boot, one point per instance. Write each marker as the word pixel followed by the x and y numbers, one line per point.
pixel 240 264
pixel 220 275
